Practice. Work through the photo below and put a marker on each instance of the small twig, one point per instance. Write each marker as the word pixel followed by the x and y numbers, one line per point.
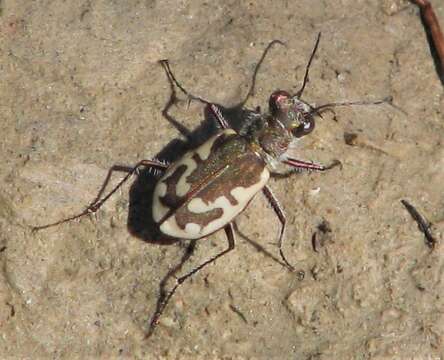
pixel 423 224
pixel 321 236
pixel 239 313
pixel 432 26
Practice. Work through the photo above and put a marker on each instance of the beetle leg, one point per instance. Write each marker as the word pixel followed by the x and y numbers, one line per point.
pixel 215 110
pixel 172 101
pixel 306 165
pixel 179 281
pixel 281 215
pixel 99 201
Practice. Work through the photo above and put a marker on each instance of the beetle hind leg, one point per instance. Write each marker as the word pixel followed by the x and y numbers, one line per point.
pixel 99 200
pixel 179 281
pixel 281 216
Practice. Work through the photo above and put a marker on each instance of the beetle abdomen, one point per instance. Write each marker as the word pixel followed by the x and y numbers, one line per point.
pixel 205 189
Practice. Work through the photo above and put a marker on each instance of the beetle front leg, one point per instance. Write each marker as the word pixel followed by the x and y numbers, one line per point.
pixel 98 201
pixel 281 216
pixel 289 166
pixel 214 109
pixel 179 281
pixel 306 165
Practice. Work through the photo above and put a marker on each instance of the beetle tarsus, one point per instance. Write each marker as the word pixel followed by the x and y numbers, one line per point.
pixel 334 163
pixel 290 267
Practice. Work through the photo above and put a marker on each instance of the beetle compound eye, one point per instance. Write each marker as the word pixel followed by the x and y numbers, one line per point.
pixel 308 126
pixel 305 128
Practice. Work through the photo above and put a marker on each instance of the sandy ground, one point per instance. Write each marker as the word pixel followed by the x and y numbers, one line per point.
pixel 81 90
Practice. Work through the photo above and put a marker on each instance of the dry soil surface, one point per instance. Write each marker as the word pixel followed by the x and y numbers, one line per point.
pixel 81 90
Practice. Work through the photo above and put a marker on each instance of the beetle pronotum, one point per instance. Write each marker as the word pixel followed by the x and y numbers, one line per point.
pixel 209 186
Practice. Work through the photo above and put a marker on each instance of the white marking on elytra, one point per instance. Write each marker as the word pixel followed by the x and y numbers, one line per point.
pixel 192 228
pixel 182 186
pixel 197 206
pixel 170 227
pixel 241 194
pixel 159 210
pixel 204 150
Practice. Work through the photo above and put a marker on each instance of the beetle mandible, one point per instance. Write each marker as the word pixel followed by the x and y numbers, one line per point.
pixel 209 186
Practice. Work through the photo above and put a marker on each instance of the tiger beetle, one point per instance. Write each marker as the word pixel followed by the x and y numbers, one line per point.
pixel 209 186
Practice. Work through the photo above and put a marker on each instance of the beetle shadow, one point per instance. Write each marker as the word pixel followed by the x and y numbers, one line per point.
pixel 140 217
pixel 260 248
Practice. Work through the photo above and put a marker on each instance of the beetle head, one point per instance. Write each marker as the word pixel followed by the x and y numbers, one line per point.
pixel 294 114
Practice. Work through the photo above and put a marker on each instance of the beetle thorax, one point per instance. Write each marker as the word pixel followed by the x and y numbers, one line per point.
pixel 274 138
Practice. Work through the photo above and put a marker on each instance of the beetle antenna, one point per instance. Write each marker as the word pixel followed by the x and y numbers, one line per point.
pixel 256 70
pixel 353 103
pixel 386 100
pixel 250 92
pixel 307 69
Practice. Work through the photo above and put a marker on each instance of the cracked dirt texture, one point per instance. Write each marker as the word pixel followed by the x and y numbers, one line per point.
pixel 81 90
